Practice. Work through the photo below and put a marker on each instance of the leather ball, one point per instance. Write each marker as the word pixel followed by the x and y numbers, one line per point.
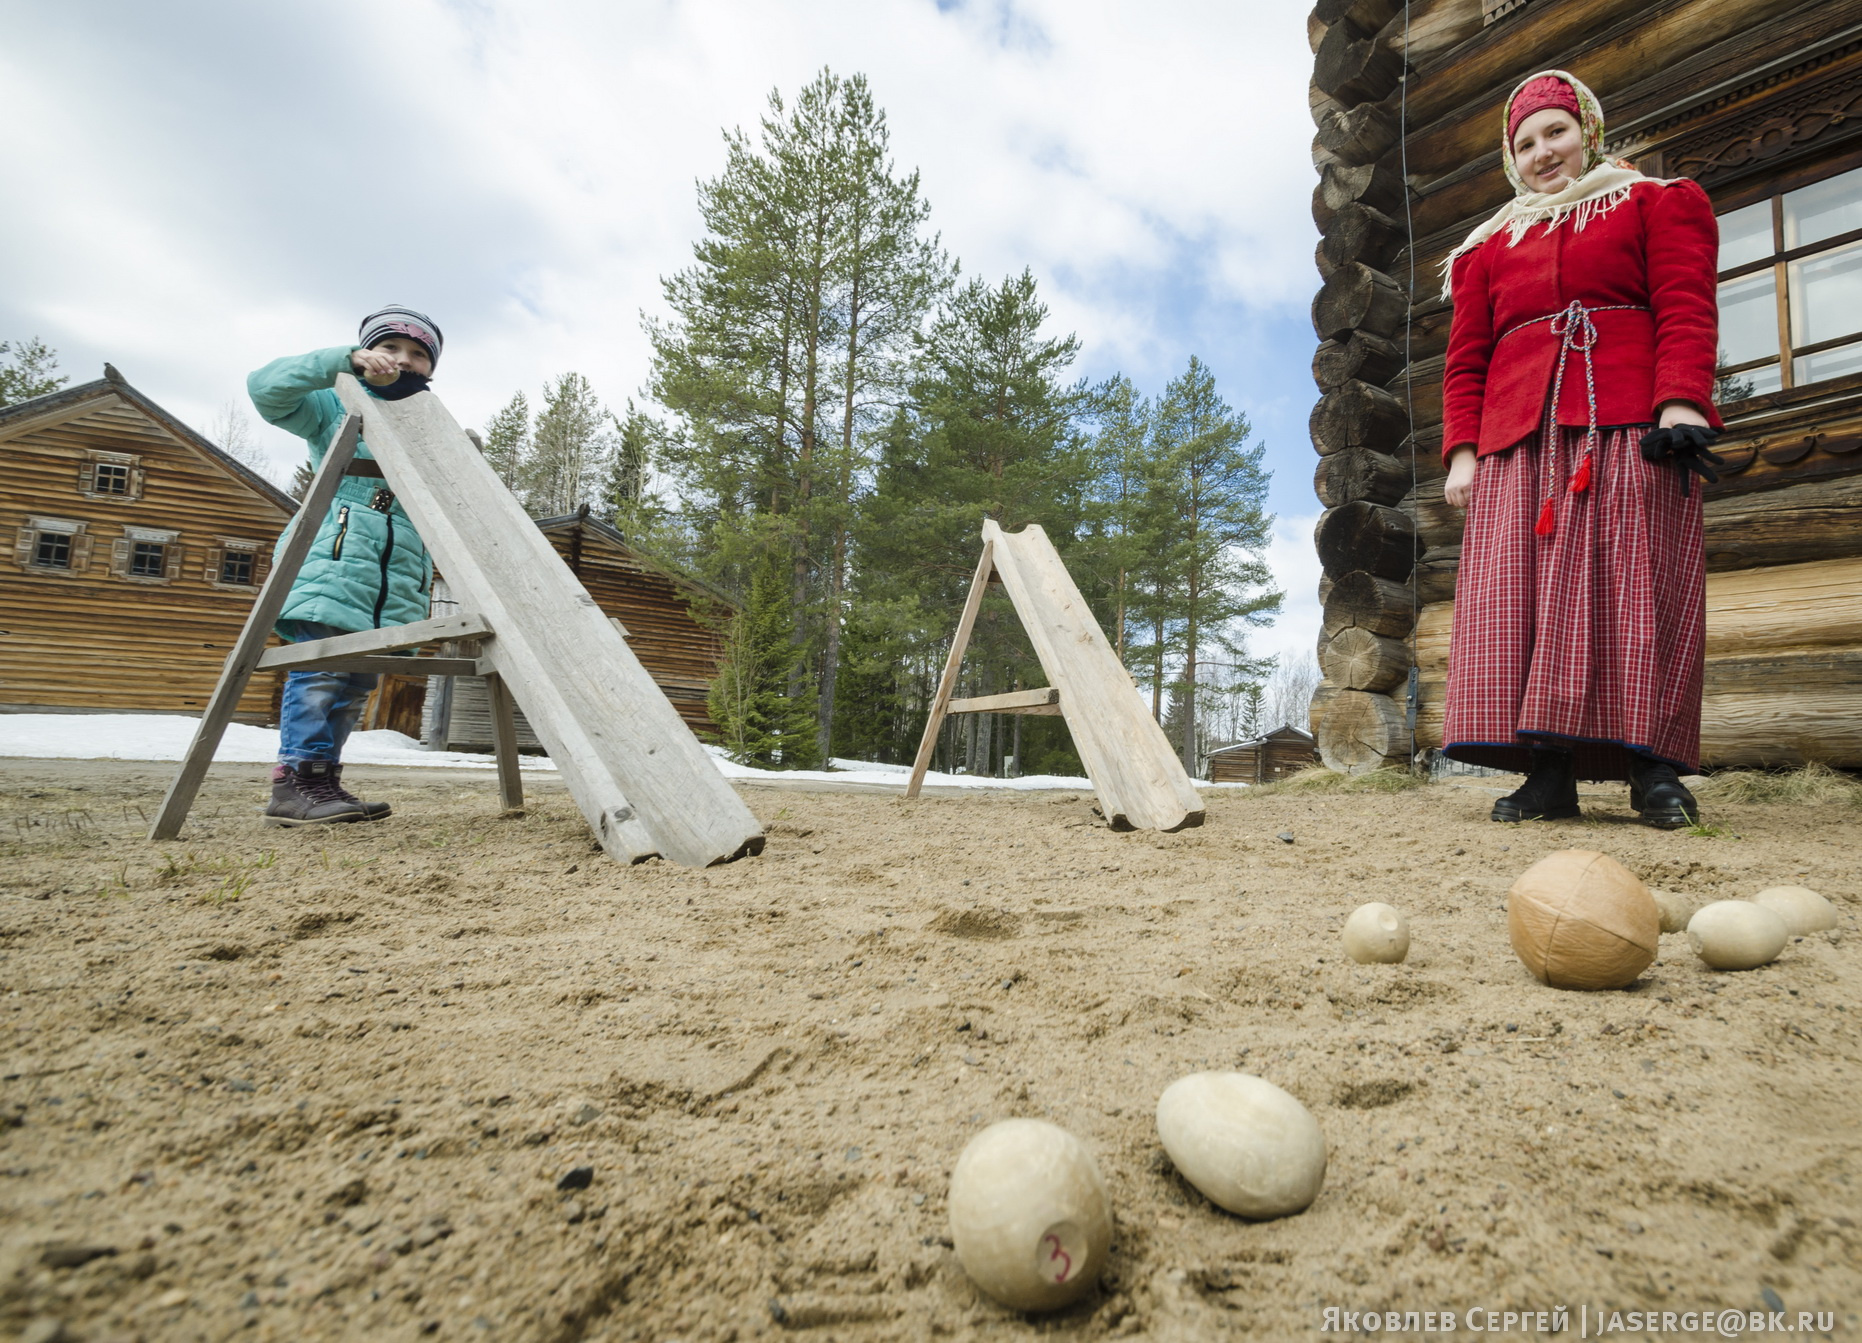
pixel 1581 920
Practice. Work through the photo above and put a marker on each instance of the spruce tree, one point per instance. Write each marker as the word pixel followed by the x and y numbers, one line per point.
pixel 759 721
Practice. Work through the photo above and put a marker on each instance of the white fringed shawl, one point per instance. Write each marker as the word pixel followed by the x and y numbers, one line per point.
pixel 1597 192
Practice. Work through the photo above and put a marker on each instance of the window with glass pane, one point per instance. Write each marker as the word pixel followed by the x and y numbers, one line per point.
pixel 1808 243
pixel 148 559
pixel 111 478
pixel 236 567
pixel 53 551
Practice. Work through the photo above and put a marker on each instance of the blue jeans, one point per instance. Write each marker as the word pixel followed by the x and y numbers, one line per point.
pixel 319 708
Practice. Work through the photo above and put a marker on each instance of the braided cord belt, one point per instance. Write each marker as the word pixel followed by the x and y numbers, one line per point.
pixel 1575 331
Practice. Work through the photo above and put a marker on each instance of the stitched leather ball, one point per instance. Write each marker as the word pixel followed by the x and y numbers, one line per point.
pixel 1581 920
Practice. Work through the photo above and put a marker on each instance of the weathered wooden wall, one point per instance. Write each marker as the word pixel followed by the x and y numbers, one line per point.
pixel 1739 94
pixel 93 640
pixel 678 649
pixel 1265 761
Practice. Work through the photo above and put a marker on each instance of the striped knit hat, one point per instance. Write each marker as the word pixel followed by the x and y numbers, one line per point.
pixel 398 321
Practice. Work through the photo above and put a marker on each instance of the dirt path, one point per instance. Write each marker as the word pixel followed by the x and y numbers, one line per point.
pixel 325 1085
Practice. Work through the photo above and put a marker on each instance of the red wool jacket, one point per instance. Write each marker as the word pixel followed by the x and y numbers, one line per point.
pixel 1650 263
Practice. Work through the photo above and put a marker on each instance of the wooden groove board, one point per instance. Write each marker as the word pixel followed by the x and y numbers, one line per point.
pixel 636 771
pixel 1139 780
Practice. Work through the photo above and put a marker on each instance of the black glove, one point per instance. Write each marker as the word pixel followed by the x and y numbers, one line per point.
pixel 1689 445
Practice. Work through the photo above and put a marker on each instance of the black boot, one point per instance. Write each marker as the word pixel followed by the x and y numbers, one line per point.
pixel 1550 792
pixel 375 810
pixel 309 794
pixel 1658 796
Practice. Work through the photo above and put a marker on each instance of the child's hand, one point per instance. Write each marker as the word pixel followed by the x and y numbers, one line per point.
pixel 1459 491
pixel 376 366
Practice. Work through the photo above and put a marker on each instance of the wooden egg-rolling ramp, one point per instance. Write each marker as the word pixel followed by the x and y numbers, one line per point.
pixel 1140 782
pixel 635 770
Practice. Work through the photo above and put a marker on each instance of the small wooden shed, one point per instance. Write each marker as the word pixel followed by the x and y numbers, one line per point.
pixel 137 549
pixel 1266 759
pixel 657 606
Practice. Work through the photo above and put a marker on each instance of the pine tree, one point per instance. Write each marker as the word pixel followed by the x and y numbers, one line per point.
pixel 28 369
pixel 566 466
pixel 789 338
pixel 507 440
pixel 759 721
pixel 1210 577
pixel 300 481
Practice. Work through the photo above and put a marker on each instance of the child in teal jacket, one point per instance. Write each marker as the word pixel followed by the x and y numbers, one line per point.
pixel 366 569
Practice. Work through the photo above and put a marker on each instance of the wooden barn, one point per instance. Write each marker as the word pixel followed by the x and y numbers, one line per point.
pixel 659 609
pixel 1267 759
pixel 137 549
pixel 1760 101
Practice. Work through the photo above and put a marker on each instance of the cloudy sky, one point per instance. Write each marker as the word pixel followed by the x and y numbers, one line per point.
pixel 197 186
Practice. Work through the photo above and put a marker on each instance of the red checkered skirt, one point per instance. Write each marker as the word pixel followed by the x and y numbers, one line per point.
pixel 1591 638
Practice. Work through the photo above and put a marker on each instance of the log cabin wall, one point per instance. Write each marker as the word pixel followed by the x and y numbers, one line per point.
pixel 657 608
pixel 135 549
pixel 1758 100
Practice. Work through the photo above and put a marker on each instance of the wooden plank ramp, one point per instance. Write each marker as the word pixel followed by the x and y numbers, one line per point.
pixel 1139 780
pixel 636 772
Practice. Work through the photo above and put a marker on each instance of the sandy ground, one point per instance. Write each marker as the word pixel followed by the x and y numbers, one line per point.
pixel 290 1085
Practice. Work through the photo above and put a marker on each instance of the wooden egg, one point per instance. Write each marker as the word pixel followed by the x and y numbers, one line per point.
pixel 1246 1144
pixel 1029 1215
pixel 1675 909
pixel 1802 909
pixel 1376 934
pixel 1736 935
pixel 1581 920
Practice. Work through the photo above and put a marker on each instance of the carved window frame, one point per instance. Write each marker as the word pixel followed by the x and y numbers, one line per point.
pixel 133 476
pixel 213 565
pixel 123 555
pixel 1778 262
pixel 26 546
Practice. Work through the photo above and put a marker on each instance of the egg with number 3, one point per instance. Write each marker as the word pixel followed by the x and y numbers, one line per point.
pixel 1029 1215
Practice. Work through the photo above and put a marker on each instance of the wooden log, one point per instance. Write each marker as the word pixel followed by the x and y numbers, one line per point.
pixel 953 663
pixel 398 666
pixel 1815 520
pixel 1357 415
pixel 1360 600
pixel 1362 356
pixel 1367 16
pixel 1323 263
pixel 1359 660
pixel 1361 134
pixel 1435 574
pixel 1322 696
pixel 504 735
pixel 1438 523
pixel 1326 585
pixel 1322 213
pixel 1358 298
pixel 1784 707
pixel 1354 69
pixel 1360 232
pixel 1360 473
pixel 1377 185
pixel 1373 537
pixel 635 770
pixel 1787 605
pixel 1362 732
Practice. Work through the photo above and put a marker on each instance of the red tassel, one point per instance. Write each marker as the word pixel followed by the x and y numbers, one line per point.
pixel 1581 480
pixel 1544 525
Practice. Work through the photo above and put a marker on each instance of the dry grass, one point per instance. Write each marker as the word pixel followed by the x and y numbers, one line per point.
pixel 1319 779
pixel 1814 783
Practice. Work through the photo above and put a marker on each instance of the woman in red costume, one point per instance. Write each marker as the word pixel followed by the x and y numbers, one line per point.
pixel 1578 405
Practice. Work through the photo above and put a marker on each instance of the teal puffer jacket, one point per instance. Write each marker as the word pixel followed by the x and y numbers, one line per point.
pixel 367 568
